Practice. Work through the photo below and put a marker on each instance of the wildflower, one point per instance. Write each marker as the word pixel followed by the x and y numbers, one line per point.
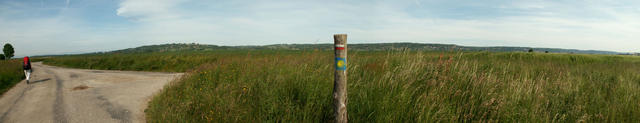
pixel 244 90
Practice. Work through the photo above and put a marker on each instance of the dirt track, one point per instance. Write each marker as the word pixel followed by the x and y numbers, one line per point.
pixel 81 96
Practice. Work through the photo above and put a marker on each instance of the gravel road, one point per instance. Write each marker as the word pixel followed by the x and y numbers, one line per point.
pixel 64 95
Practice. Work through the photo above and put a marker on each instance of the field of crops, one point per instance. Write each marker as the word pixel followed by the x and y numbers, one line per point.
pixel 296 86
pixel 10 74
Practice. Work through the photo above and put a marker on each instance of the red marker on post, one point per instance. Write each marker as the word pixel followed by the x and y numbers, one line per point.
pixel 339 47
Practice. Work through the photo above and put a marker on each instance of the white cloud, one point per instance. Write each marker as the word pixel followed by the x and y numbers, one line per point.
pixel 148 9
pixel 547 24
pixel 22 25
pixel 36 36
pixel 561 24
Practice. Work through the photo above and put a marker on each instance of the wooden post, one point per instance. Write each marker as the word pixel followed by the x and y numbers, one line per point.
pixel 340 81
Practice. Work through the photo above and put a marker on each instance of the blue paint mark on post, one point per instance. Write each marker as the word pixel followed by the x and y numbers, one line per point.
pixel 341 64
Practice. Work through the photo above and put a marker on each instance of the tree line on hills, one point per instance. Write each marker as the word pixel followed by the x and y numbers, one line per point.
pixel 354 47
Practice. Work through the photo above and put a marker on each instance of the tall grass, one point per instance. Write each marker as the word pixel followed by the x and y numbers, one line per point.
pixel 296 86
pixel 10 74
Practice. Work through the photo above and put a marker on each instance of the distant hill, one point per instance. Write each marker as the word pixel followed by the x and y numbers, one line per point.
pixel 356 47
pixel 172 48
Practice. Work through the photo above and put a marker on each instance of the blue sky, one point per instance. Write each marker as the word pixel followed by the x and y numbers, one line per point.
pixel 37 27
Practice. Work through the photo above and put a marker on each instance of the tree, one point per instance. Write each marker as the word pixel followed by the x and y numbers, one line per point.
pixel 1 56
pixel 530 50
pixel 546 51
pixel 8 51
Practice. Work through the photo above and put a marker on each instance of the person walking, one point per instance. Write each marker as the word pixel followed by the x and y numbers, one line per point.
pixel 26 65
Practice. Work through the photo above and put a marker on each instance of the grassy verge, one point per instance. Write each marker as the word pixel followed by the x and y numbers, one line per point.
pixel 10 74
pixel 295 86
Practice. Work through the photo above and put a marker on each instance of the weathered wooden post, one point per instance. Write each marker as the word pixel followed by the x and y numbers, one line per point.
pixel 340 81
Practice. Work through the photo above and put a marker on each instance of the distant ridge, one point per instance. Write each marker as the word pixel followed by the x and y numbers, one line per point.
pixel 358 47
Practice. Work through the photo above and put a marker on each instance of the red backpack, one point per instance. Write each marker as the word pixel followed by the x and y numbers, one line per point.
pixel 26 64
pixel 26 60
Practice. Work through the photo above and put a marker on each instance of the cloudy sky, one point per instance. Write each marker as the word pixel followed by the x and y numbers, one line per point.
pixel 37 27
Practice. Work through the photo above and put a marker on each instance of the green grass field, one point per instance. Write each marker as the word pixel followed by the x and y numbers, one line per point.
pixel 296 86
pixel 10 74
